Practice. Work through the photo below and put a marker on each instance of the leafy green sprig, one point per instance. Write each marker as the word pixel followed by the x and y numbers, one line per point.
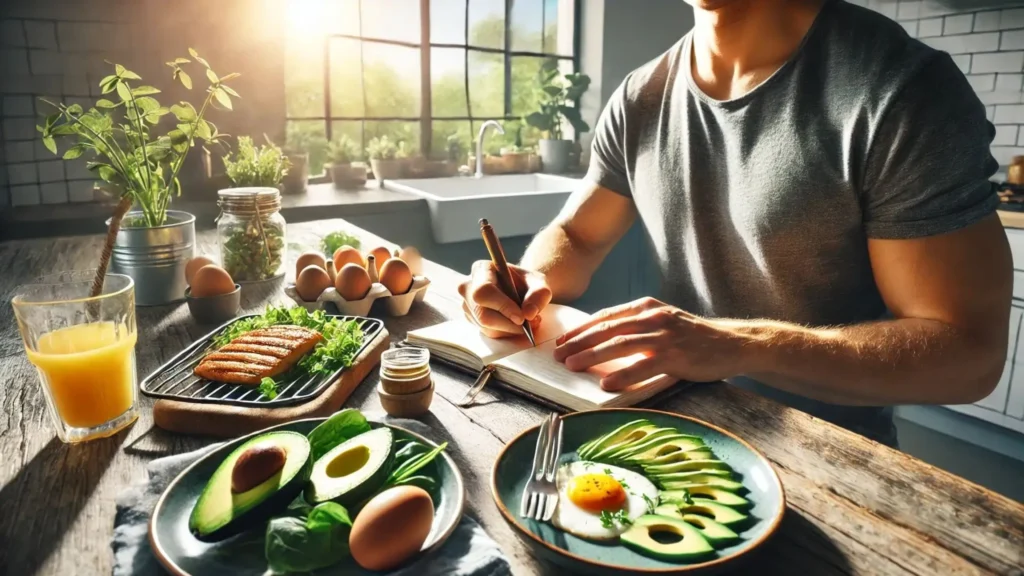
pixel 609 519
pixel 340 344
pixel 131 159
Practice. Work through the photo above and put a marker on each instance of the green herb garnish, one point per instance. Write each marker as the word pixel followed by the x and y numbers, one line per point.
pixel 342 339
pixel 268 388
pixel 650 504
pixel 609 519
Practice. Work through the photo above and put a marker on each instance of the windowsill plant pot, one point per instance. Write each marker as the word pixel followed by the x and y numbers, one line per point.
pixel 295 180
pixel 516 161
pixel 155 256
pixel 387 169
pixel 554 155
pixel 348 176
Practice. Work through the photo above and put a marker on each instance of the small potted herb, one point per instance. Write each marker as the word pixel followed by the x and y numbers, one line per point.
pixel 141 166
pixel 345 175
pixel 265 166
pixel 384 160
pixel 557 95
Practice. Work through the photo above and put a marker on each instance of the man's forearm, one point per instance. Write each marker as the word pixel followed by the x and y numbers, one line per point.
pixel 567 262
pixel 887 362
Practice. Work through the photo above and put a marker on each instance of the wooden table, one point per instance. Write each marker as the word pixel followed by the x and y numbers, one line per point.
pixel 855 507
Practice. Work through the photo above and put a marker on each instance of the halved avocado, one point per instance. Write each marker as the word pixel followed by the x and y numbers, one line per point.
pixel 702 493
pixel 587 451
pixel 243 491
pixel 718 535
pixel 717 512
pixel 686 466
pixel 690 544
pixel 352 470
pixel 652 449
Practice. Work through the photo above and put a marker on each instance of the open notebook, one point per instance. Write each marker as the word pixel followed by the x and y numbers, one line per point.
pixel 534 370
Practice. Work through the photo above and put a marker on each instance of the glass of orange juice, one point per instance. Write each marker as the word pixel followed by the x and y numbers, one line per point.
pixel 84 350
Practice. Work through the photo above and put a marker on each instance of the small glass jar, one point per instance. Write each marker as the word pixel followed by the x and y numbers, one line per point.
pixel 405 370
pixel 252 233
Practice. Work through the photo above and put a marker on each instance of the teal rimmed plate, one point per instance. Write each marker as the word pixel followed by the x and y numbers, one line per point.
pixel 242 555
pixel 512 470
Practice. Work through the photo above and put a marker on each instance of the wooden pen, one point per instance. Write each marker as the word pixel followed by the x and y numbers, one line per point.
pixel 505 280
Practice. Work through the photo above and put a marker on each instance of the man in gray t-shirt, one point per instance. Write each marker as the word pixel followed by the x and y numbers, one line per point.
pixel 814 184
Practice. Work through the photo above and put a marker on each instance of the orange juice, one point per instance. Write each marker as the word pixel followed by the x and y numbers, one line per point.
pixel 88 370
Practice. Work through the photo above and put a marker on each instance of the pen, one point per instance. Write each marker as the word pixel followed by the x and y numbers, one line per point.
pixel 505 280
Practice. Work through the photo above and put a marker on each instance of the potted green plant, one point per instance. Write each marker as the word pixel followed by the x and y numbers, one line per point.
pixel 557 95
pixel 265 166
pixel 340 155
pixel 305 150
pixel 153 243
pixel 384 160
pixel 514 156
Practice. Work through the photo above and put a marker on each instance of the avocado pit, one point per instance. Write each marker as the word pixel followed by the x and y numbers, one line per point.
pixel 255 466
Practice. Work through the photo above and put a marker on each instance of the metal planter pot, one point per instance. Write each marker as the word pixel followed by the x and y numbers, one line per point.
pixel 555 155
pixel 155 258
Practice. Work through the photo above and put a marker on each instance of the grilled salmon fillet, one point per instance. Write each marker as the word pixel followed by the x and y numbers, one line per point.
pixel 258 354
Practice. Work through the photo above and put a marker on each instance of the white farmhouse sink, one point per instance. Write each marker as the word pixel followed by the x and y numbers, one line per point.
pixel 515 204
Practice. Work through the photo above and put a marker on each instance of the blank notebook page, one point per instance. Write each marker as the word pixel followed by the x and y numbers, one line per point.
pixel 555 321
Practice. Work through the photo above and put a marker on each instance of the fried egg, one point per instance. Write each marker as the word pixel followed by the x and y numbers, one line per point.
pixel 588 490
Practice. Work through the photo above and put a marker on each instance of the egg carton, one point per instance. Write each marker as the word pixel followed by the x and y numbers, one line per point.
pixel 396 305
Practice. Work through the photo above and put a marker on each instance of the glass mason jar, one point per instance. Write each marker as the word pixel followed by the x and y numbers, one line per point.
pixel 252 233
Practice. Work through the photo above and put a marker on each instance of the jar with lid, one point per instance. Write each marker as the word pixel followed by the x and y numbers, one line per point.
pixel 252 233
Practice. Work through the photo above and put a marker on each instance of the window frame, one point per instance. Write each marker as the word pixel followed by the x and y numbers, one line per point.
pixel 425 46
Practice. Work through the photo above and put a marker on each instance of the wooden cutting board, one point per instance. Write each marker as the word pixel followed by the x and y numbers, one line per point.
pixel 229 421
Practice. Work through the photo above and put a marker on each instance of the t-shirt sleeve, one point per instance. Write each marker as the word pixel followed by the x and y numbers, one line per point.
pixel 608 151
pixel 929 164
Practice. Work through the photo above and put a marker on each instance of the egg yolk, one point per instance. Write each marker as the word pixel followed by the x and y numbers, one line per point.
pixel 596 492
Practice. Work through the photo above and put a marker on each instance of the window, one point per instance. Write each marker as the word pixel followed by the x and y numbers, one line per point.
pixel 418 71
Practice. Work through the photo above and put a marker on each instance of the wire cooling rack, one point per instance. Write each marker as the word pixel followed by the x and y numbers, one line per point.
pixel 175 379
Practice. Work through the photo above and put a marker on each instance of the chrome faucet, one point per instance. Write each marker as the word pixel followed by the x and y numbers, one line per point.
pixel 480 145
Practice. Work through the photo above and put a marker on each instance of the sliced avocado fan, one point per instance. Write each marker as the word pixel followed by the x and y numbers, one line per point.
pixel 587 451
pixel 352 470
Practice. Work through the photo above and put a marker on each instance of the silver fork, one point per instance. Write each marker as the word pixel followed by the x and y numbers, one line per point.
pixel 540 497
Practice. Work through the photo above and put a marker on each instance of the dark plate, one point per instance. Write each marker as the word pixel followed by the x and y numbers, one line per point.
pixel 512 470
pixel 242 555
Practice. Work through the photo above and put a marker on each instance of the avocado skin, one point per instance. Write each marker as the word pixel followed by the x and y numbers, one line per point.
pixel 261 512
pixel 356 495
pixel 276 502
pixel 693 546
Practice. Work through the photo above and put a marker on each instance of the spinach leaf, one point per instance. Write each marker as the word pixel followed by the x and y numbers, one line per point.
pixel 345 424
pixel 308 538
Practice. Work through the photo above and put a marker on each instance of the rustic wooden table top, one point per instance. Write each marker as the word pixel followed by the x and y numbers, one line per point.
pixel 855 507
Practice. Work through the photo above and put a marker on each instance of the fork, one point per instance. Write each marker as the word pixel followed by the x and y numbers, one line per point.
pixel 540 497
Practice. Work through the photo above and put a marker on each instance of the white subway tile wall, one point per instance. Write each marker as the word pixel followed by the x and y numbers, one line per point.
pixel 62 60
pixel 986 40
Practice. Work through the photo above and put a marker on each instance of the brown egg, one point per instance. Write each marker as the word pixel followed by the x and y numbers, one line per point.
pixel 211 280
pixel 391 528
pixel 347 255
pixel 193 266
pixel 312 282
pixel 381 255
pixel 352 282
pixel 396 276
pixel 413 258
pixel 310 258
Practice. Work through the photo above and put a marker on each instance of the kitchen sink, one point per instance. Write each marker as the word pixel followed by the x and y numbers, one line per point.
pixel 515 204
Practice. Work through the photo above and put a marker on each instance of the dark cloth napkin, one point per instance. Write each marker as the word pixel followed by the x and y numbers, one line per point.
pixel 469 551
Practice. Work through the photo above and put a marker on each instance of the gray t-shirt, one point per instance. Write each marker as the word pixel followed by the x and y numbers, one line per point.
pixel 761 206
